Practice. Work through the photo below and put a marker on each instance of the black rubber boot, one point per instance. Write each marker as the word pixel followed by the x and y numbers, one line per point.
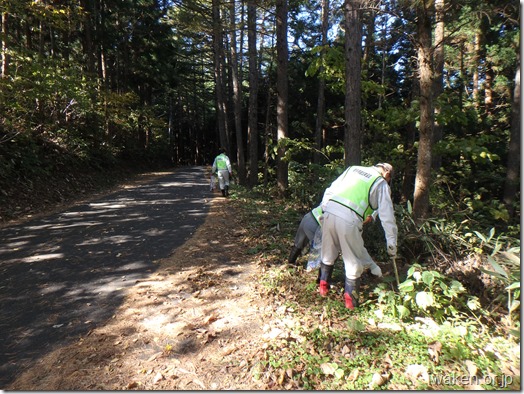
pixel 227 190
pixel 325 277
pixel 223 192
pixel 294 255
pixel 351 292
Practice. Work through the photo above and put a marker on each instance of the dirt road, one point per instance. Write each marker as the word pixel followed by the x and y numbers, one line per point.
pixel 94 296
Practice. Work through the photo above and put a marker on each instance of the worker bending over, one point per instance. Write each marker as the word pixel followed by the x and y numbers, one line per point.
pixel 355 195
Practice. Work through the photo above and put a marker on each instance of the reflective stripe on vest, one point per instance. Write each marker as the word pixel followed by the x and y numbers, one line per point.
pixel 317 213
pixel 221 162
pixel 354 192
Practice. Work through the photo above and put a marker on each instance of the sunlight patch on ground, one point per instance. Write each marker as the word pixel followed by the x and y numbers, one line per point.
pixel 178 184
pixel 107 205
pixel 42 257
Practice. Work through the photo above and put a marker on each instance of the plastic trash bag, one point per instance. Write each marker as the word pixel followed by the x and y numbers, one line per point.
pixel 314 259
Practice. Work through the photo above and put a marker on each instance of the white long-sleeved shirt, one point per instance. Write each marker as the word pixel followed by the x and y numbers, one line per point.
pixel 379 196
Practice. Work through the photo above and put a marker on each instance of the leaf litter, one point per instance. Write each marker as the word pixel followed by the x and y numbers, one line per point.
pixel 194 324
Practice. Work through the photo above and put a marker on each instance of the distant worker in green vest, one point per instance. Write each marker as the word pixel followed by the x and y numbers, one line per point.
pixel 222 166
pixel 355 195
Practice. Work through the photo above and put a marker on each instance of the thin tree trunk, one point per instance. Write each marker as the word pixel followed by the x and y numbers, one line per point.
pixel 384 49
pixel 512 183
pixel 438 83
pixel 425 69
pixel 219 76
pixel 282 94
pixel 353 55
pixel 321 104
pixel 88 37
pixel 237 96
pixel 369 47
pixel 267 135
pixel 252 129
pixel 476 58
pixel 488 93
pixel 5 56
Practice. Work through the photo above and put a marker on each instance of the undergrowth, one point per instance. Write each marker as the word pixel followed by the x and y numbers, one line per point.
pixel 430 333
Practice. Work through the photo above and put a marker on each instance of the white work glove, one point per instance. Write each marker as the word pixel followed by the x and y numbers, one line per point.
pixel 392 250
pixel 376 271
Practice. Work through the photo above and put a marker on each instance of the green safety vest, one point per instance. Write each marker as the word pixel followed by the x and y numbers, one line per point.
pixel 354 194
pixel 221 162
pixel 317 213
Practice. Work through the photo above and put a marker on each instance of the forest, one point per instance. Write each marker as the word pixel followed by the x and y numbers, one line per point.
pixel 295 91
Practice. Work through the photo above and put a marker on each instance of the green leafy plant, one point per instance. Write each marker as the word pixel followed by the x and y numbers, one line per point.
pixel 428 293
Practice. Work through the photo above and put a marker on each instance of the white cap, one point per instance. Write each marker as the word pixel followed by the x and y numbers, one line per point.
pixel 387 167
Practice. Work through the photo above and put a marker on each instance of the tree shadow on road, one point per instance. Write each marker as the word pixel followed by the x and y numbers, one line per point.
pixel 65 274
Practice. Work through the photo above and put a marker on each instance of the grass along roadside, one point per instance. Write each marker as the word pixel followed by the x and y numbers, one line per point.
pixel 314 343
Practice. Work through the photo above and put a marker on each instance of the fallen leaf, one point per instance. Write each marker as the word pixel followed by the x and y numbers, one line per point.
pixel 378 380
pixel 211 318
pixel 280 380
pixel 132 385
pixel 328 368
pixel 353 375
pixel 388 360
pixel 415 371
pixel 434 350
pixel 345 350
pixel 158 377
pixel 472 368
pixel 154 356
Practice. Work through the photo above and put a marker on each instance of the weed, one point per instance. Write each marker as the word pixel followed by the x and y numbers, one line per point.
pixel 431 322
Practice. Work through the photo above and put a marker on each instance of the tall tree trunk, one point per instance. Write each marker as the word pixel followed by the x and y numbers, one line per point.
pixel 425 70
pixel 237 96
pixel 438 83
pixel 321 104
pixel 88 49
pixel 282 94
pixel 512 183
pixel 369 46
pixel 252 128
pixel 488 88
pixel 476 65
pixel 268 135
pixel 219 76
pixel 5 56
pixel 353 55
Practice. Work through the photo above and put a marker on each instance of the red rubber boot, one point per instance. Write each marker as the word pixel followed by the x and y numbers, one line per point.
pixel 325 277
pixel 351 290
pixel 323 288
pixel 348 301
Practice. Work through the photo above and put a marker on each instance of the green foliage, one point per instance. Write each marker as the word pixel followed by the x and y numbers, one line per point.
pixel 432 294
pixel 428 293
pixel 317 344
pixel 307 183
pixel 329 67
pixel 434 238
pixel 505 270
